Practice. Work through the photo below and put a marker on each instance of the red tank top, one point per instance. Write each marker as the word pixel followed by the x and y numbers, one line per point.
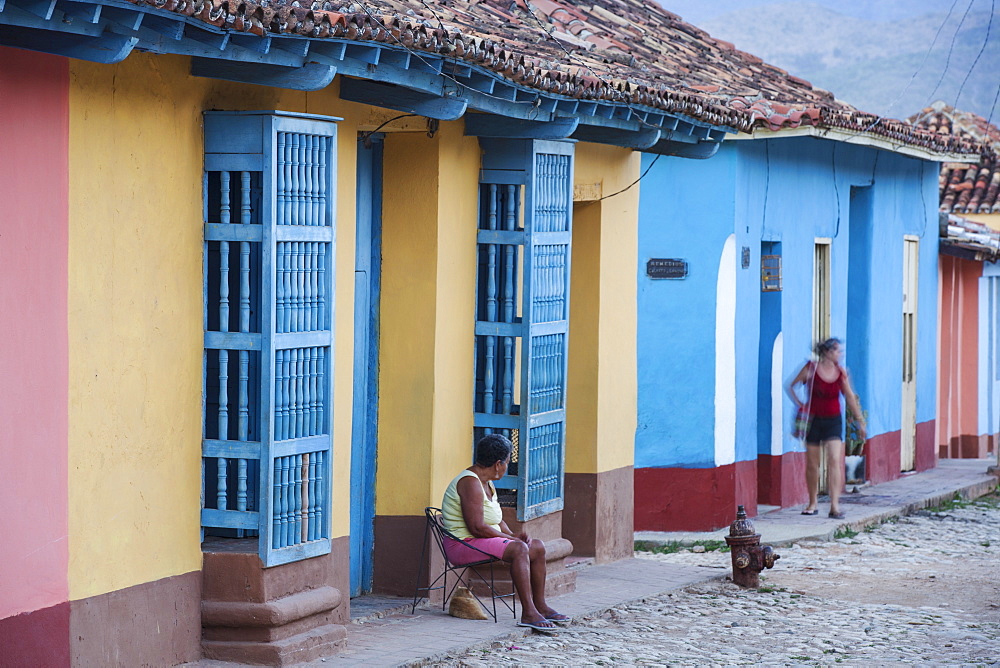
pixel 825 399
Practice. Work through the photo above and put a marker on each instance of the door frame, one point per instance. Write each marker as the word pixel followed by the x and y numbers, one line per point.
pixel 367 287
pixel 821 311
pixel 908 407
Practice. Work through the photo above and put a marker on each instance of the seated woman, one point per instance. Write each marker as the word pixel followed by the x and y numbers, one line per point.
pixel 470 511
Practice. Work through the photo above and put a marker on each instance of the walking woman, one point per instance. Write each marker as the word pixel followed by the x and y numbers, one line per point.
pixel 825 381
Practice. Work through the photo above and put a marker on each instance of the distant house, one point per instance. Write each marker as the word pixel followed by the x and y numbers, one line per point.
pixel 822 224
pixel 969 359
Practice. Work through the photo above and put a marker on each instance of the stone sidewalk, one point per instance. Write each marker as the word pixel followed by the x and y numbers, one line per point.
pixel 401 639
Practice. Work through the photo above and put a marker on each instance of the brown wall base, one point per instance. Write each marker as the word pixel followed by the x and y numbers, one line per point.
pixel 967 446
pixel 273 616
pixel 152 624
pixel 398 541
pixel 598 516
pixel 39 638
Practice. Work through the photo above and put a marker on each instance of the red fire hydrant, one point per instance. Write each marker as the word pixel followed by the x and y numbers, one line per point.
pixel 749 557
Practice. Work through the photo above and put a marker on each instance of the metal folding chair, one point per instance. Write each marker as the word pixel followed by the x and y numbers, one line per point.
pixel 435 530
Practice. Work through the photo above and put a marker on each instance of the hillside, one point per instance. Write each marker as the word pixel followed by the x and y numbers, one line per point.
pixel 865 62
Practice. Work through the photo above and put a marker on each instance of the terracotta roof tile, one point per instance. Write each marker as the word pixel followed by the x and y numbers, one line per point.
pixel 963 233
pixel 632 51
pixel 966 188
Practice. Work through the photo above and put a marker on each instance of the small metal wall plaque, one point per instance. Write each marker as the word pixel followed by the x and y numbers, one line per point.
pixel 746 257
pixel 663 267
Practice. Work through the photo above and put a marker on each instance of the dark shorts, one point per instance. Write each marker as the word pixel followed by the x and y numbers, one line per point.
pixel 825 429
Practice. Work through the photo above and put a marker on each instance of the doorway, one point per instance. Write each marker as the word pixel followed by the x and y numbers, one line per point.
pixel 908 429
pixel 992 370
pixel 821 314
pixel 770 397
pixel 364 445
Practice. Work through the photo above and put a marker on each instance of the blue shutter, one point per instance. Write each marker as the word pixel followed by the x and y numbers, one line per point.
pixel 269 269
pixel 523 305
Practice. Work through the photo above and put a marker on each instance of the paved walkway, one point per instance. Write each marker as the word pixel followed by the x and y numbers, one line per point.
pixel 870 504
pixel 404 639
pixel 413 640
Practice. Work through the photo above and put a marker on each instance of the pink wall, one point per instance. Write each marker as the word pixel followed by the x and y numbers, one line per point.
pixel 958 373
pixel 34 106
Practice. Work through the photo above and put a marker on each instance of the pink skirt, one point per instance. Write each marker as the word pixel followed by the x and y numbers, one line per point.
pixel 459 553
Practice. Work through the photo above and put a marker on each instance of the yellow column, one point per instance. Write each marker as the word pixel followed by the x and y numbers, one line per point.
pixel 601 408
pixel 426 336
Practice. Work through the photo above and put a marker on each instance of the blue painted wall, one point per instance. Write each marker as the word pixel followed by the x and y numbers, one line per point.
pixel 789 191
pixel 684 213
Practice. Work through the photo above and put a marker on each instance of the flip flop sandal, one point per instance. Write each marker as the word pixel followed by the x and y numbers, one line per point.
pixel 559 618
pixel 837 516
pixel 538 627
pixel 815 511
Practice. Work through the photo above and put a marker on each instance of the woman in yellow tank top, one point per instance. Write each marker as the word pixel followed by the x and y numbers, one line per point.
pixel 471 512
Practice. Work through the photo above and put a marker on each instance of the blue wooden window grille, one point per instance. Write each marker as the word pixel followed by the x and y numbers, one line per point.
pixel 522 313
pixel 269 268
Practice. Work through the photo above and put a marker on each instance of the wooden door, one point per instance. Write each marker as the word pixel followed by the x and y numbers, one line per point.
pixel 364 446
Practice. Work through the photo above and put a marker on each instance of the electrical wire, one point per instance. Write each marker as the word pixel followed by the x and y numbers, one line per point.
pixel 366 137
pixel 434 14
pixel 880 118
pixel 629 186
pixel 978 55
pixel 836 187
pixel 994 107
pixel 951 49
pixel 767 183
pixel 418 57
pixel 923 62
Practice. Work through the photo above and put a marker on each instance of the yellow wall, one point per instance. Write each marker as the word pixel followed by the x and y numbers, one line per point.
pixel 601 397
pixel 135 313
pixel 427 316
pixel 990 219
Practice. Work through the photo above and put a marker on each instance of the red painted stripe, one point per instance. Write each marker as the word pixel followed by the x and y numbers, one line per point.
pixel 34 106
pixel 882 457
pixel 781 480
pixel 39 638
pixel 678 499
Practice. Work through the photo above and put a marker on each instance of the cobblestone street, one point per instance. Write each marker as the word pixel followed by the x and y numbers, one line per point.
pixel 923 589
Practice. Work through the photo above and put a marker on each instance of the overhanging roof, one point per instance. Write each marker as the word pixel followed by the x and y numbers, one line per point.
pixel 863 139
pixel 383 74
